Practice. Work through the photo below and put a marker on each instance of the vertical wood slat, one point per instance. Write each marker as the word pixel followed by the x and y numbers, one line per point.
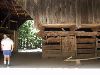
pixel 78 14
pixel 84 12
pixel 90 11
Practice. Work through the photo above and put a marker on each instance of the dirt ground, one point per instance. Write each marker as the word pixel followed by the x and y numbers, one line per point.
pixel 35 60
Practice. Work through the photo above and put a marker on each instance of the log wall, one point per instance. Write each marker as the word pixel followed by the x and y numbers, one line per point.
pixel 64 42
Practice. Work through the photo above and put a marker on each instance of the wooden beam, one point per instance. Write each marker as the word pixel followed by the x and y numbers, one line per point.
pixel 58 25
pixel 86 33
pixel 70 25
pixel 86 40
pixel 86 46
pixel 89 25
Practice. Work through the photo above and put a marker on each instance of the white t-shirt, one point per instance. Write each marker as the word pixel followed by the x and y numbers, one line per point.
pixel 6 44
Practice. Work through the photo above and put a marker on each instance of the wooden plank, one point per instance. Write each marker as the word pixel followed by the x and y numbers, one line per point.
pixel 72 5
pixel 86 33
pixel 96 11
pixel 52 51
pixel 85 55
pixel 86 40
pixel 90 25
pixel 85 51
pixel 58 33
pixel 70 25
pixel 86 46
pixel 77 33
pixel 51 47
pixel 75 59
pixel 53 39
pixel 69 51
pixel 78 13
pixel 90 11
pixel 58 25
pixel 84 11
pixel 78 61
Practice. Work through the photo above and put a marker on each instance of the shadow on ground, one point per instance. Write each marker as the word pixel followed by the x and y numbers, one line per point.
pixel 35 60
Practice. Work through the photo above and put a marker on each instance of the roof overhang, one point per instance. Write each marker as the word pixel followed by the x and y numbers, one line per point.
pixel 12 15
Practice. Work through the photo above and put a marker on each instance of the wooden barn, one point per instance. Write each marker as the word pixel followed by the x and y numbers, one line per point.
pixel 68 27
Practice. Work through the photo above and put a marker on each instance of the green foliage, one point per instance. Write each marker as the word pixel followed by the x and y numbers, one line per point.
pixel 27 36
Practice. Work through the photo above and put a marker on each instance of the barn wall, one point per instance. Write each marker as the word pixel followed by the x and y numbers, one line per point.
pixel 68 27
pixel 63 11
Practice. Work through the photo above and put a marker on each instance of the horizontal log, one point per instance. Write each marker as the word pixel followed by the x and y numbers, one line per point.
pixel 85 55
pixel 85 51
pixel 53 39
pixel 86 46
pixel 89 25
pixel 70 25
pixel 86 33
pixel 51 47
pixel 58 25
pixel 68 51
pixel 86 40
pixel 77 33
pixel 52 51
pixel 58 33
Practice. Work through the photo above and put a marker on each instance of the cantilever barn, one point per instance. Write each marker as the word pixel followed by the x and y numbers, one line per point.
pixel 68 27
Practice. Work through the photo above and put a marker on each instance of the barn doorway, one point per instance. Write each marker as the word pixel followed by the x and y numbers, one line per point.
pixel 28 41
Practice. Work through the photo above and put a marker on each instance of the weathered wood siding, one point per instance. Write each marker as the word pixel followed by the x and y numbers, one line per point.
pixel 63 11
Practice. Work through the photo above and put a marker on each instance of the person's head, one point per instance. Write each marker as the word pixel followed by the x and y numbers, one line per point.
pixel 5 36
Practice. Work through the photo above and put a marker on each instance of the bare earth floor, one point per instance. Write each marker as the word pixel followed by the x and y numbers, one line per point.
pixel 35 60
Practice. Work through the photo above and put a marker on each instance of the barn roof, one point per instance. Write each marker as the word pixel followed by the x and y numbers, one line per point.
pixel 11 15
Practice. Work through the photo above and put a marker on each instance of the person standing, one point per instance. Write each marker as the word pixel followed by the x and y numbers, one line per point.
pixel 7 47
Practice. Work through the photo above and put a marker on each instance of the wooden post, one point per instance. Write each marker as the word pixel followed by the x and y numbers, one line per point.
pixel 15 41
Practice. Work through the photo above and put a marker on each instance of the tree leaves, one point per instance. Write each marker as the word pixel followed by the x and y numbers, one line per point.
pixel 28 36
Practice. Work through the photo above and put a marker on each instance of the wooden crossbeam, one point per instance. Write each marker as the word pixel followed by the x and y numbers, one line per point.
pixel 72 26
pixel 58 25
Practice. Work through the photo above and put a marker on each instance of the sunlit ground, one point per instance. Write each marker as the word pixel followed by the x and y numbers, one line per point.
pixel 30 50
